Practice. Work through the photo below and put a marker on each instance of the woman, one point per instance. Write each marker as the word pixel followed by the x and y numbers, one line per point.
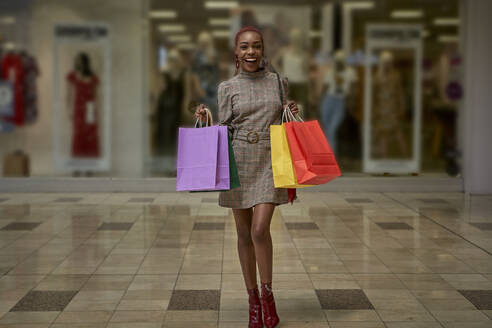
pixel 248 104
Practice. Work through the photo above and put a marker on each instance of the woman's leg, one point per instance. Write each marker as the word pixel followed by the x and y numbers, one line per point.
pixel 245 247
pixel 262 240
pixel 260 232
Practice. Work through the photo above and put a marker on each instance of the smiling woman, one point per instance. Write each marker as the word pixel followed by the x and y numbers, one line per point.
pixel 248 104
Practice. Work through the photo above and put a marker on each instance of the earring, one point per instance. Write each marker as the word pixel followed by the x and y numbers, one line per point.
pixel 237 62
pixel 264 62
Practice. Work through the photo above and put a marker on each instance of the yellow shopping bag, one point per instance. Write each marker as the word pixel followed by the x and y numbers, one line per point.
pixel 284 175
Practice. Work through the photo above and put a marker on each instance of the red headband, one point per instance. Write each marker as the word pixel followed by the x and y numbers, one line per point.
pixel 247 29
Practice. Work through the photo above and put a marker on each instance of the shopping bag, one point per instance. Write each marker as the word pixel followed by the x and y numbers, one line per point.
pixel 313 160
pixel 203 159
pixel 284 175
pixel 233 173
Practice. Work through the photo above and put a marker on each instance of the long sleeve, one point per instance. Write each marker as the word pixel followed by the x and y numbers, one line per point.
pixel 225 106
pixel 285 91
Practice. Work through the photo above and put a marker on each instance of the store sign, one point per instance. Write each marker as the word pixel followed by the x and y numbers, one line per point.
pixel 83 32
pixel 395 35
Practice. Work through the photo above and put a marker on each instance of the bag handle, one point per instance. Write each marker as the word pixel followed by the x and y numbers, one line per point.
pixel 288 116
pixel 209 114
pixel 287 113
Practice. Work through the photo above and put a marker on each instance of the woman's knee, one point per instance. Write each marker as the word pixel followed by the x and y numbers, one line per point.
pixel 260 233
pixel 244 236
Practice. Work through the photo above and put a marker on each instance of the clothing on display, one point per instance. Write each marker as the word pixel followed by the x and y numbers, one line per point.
pixel 332 107
pixel 388 105
pixel 30 102
pixel 168 113
pixel 13 70
pixel 21 70
pixel 85 135
pixel 207 70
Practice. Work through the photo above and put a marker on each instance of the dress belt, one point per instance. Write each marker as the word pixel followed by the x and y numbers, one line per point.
pixel 251 137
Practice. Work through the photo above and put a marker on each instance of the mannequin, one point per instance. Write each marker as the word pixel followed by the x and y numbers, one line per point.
pixel 338 81
pixel 170 104
pixel 389 107
pixel 450 93
pixel 205 70
pixel 293 63
pixel 82 104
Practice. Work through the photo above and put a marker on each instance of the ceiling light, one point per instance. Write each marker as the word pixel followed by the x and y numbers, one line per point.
pixel 404 14
pixel 315 34
pixel 7 20
pixel 179 38
pixel 186 46
pixel 171 28
pixel 360 5
pixel 446 21
pixel 221 33
pixel 221 4
pixel 219 21
pixel 163 14
pixel 448 39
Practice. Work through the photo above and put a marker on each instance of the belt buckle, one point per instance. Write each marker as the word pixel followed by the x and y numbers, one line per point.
pixel 255 138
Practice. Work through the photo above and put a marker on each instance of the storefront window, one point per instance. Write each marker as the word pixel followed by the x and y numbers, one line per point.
pixel 100 90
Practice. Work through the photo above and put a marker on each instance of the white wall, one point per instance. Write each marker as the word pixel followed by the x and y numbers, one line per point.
pixel 478 97
pixel 125 19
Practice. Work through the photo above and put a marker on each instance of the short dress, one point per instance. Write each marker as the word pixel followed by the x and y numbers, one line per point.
pixel 248 104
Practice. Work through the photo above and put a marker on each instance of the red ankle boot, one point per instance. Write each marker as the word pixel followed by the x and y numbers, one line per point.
pixel 270 316
pixel 255 320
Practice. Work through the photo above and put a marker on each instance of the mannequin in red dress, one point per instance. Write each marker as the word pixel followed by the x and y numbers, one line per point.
pixel 82 100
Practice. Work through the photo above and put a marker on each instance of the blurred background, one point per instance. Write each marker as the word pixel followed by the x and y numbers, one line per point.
pixel 99 88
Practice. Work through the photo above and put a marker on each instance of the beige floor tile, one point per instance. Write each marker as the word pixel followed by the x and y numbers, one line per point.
pixel 192 316
pixel 426 324
pixel 84 317
pixel 198 281
pixel 483 324
pixel 138 316
pixel 134 325
pixel 142 305
pixel 76 325
pixel 333 281
pixel 188 324
pixel 108 282
pixel 153 282
pixel 354 324
pixel 62 282
pixel 405 315
pixel 351 315
pixel 459 315
pixel 28 317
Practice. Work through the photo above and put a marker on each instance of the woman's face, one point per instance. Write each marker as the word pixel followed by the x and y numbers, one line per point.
pixel 249 51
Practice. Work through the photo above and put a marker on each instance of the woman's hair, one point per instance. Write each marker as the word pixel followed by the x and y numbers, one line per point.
pixel 248 29
pixel 85 64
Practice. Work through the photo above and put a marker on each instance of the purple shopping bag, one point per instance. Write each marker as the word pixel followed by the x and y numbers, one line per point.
pixel 203 159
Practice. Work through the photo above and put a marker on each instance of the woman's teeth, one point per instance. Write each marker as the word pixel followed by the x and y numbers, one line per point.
pixel 250 60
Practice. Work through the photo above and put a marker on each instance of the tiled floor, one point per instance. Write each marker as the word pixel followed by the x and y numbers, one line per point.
pixel 341 260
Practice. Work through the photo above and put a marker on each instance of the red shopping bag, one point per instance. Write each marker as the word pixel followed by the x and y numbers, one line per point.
pixel 312 157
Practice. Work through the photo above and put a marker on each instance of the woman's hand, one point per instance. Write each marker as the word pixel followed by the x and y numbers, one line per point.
pixel 201 113
pixel 293 107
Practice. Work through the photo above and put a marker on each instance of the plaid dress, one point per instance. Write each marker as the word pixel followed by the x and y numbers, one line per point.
pixel 250 103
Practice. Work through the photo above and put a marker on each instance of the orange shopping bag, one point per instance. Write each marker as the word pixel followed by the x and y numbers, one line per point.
pixel 312 157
